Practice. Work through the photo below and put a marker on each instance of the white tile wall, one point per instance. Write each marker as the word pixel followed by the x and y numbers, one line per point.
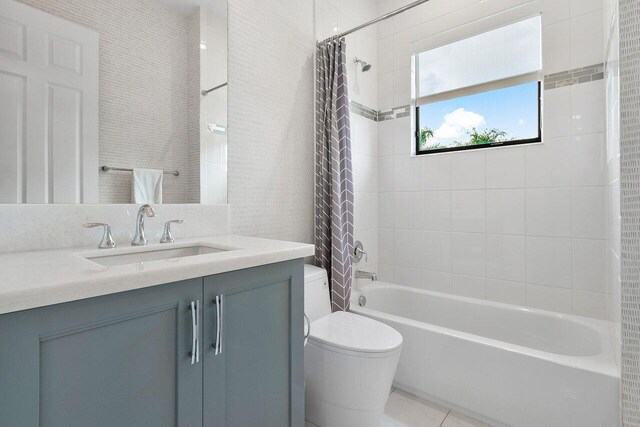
pixel 588 159
pixel 468 286
pixel 506 292
pixel 506 257
pixel 506 211
pixel 549 261
pixel 547 163
pixel 406 173
pixel 556 56
pixel 588 107
pixel 612 166
pixel 505 168
pixel 468 211
pixel 436 171
pixel 548 212
pixel 436 211
pixel 468 171
pixel 586 36
pixel 549 298
pixel 523 225
pixel 589 265
pixel 469 253
pixel 555 11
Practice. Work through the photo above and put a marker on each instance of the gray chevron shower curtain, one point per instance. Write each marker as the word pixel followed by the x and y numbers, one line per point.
pixel 333 172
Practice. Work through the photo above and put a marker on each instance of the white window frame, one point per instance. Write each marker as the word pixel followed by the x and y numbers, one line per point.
pixel 499 20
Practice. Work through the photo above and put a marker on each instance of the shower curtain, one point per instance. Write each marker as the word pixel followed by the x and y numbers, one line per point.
pixel 333 172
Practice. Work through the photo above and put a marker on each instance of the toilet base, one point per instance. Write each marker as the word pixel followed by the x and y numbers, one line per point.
pixel 347 389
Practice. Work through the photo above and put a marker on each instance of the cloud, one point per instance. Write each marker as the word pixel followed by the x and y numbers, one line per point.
pixel 458 122
pixel 522 122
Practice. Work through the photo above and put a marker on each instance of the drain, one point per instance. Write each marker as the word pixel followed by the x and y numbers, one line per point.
pixel 362 301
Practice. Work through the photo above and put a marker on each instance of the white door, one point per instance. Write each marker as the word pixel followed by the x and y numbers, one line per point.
pixel 48 108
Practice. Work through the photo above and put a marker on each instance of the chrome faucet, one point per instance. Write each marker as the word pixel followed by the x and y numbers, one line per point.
pixel 167 236
pixel 139 239
pixel 366 275
pixel 107 241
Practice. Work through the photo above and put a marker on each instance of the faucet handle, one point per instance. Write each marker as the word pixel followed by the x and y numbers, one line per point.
pixel 107 241
pixel 167 236
pixel 358 252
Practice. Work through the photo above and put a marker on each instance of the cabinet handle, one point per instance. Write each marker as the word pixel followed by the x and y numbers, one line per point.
pixel 194 354
pixel 217 345
pixel 221 323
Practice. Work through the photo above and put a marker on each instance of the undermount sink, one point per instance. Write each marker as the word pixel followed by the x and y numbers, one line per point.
pixel 156 254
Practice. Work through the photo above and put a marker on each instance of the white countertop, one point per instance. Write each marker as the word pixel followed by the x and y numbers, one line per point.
pixel 40 278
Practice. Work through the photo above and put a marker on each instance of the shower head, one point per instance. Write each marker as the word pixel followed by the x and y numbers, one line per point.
pixel 365 65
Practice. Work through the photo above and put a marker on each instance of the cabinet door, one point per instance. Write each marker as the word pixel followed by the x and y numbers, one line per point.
pixel 257 377
pixel 117 360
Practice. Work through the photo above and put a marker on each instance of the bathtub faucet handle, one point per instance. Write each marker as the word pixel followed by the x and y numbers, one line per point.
pixel 358 252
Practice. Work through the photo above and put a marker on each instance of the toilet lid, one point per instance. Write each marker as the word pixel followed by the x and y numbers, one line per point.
pixel 354 332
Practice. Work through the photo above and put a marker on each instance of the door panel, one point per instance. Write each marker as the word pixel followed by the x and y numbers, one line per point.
pixel 83 366
pixel 12 137
pixel 256 341
pixel 53 118
pixel 261 361
pixel 114 360
pixel 63 138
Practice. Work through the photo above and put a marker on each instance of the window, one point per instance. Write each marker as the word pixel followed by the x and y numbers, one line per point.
pixel 482 91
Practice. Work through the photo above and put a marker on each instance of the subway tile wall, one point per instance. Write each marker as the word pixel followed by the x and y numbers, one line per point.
pixel 522 225
pixel 270 118
pixel 629 44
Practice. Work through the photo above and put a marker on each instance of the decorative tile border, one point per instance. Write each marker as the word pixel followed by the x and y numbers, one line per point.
pixel 576 76
pixel 363 111
pixel 394 113
pixel 379 116
pixel 573 77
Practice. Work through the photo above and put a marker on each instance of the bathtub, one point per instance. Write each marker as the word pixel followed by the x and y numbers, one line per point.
pixel 503 364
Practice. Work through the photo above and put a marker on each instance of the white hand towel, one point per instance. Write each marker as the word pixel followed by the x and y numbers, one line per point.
pixel 146 186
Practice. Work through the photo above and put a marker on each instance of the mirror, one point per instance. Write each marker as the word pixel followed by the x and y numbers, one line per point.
pixel 121 101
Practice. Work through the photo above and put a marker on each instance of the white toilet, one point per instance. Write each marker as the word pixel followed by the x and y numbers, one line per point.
pixel 350 361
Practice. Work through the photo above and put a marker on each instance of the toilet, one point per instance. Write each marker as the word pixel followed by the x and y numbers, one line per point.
pixel 350 361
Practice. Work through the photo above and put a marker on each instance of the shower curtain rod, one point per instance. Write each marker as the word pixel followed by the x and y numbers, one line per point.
pixel 376 20
pixel 206 92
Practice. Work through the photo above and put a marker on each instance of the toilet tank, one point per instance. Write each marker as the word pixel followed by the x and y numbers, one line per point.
pixel 317 302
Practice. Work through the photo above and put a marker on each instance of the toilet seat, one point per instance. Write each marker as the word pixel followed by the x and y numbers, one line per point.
pixel 350 333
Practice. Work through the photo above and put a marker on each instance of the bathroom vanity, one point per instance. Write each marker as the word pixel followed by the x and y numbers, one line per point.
pixel 204 339
pixel 98 98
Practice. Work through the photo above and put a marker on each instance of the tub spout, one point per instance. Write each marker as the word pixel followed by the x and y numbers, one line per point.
pixel 366 275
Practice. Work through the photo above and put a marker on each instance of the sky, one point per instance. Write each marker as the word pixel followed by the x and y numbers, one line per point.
pixel 513 109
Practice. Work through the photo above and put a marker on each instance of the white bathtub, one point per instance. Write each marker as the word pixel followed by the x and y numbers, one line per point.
pixel 504 364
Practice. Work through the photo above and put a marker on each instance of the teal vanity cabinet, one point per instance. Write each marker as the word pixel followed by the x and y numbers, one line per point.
pixel 224 350
pixel 253 373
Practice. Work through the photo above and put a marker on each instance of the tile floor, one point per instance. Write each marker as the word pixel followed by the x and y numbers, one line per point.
pixel 406 410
